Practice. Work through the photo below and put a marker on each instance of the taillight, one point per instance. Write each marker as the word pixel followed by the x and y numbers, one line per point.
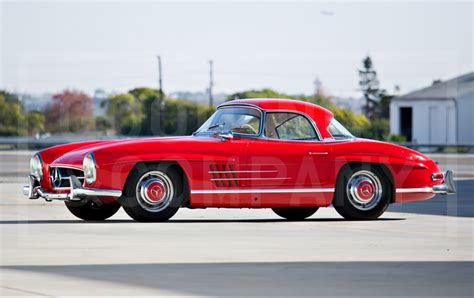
pixel 437 176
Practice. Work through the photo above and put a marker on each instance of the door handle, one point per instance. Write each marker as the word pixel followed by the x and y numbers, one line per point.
pixel 318 153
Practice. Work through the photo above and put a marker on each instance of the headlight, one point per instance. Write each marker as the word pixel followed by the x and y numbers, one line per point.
pixel 36 167
pixel 88 166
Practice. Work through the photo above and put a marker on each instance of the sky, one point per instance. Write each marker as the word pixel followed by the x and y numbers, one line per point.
pixel 86 45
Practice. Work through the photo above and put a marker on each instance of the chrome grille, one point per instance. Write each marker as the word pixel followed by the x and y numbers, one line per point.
pixel 59 176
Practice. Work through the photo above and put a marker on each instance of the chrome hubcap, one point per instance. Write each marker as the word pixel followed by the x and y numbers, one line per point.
pixel 364 190
pixel 154 191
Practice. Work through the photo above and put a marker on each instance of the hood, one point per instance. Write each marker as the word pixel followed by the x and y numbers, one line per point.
pixel 74 155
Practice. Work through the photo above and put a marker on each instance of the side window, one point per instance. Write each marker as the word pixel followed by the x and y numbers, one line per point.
pixel 288 126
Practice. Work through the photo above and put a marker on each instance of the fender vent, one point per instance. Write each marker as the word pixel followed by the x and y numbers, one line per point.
pixel 223 175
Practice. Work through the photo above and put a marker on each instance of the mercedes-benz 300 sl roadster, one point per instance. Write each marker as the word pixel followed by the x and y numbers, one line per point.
pixel 288 155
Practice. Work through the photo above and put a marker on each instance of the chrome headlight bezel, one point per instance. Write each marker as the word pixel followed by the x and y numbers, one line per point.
pixel 36 167
pixel 89 168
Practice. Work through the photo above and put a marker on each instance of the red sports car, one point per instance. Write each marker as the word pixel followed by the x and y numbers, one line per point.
pixel 288 155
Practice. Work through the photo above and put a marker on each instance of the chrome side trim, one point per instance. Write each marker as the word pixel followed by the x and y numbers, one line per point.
pixel 249 171
pixel 411 190
pixel 328 140
pixel 254 191
pixel 227 179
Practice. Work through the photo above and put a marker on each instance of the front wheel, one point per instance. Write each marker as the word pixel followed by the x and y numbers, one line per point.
pixel 295 213
pixel 362 192
pixel 92 211
pixel 153 192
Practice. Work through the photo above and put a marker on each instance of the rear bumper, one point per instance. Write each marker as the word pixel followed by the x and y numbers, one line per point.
pixel 415 194
pixel 76 191
pixel 447 188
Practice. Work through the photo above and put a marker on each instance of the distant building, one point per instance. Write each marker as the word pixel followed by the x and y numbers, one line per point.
pixel 442 113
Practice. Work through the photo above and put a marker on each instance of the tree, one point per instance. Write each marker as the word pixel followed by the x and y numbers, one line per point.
pixel 71 111
pixel 357 124
pixel 319 100
pixel 378 129
pixel 264 93
pixel 185 117
pixel 149 101
pixel 125 113
pixel 102 124
pixel 370 87
pixel 36 120
pixel 12 118
pixel 137 112
pixel 383 107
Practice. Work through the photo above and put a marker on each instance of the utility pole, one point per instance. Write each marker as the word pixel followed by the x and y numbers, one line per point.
pixel 211 83
pixel 160 96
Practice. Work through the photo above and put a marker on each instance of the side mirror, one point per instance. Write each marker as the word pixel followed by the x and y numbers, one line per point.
pixel 224 135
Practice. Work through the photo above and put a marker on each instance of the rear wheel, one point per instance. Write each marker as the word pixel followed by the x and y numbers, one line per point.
pixel 295 213
pixel 92 211
pixel 362 192
pixel 153 192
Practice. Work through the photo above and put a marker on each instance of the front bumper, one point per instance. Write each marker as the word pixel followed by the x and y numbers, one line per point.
pixel 76 191
pixel 447 188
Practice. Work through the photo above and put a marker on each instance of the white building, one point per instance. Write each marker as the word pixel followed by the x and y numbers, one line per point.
pixel 439 114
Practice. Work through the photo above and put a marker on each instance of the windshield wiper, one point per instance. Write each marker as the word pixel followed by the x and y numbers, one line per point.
pixel 209 128
pixel 216 125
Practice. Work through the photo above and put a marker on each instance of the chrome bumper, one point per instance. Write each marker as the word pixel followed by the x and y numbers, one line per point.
pixel 76 191
pixel 447 188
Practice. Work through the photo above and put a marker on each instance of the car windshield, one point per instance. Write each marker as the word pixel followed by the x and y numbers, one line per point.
pixel 239 120
pixel 338 131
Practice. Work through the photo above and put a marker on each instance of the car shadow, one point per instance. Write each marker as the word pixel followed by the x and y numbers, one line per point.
pixel 268 220
pixel 178 221
pixel 60 221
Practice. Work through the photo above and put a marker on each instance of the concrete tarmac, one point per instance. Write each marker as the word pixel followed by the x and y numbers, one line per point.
pixel 222 252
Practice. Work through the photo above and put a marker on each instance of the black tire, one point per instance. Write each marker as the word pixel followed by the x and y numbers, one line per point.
pixel 91 211
pixel 295 213
pixel 141 208
pixel 347 199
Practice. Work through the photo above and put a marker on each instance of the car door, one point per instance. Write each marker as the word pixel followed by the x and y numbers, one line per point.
pixel 222 165
pixel 290 155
